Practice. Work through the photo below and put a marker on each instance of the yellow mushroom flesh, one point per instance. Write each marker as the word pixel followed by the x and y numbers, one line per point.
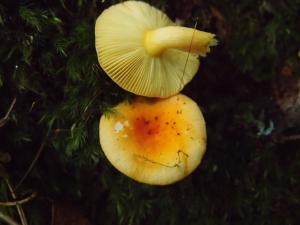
pixel 157 141
pixel 181 38
pixel 144 52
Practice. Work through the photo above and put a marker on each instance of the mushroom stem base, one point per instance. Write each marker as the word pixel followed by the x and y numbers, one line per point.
pixel 181 38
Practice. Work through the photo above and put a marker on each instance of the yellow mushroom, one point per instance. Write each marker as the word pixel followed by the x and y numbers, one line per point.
pixel 154 141
pixel 144 52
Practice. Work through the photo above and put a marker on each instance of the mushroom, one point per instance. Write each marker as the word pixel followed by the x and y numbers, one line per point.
pixel 146 53
pixel 154 141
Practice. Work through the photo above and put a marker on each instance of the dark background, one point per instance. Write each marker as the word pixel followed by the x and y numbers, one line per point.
pixel 248 90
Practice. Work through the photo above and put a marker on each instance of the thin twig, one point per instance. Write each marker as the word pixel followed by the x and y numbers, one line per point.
pixel 19 207
pixel 42 146
pixel 19 202
pixel 190 47
pixel 4 120
pixel 7 219
pixel 177 164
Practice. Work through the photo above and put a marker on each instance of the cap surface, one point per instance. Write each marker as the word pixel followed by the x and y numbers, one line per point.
pixel 120 32
pixel 156 141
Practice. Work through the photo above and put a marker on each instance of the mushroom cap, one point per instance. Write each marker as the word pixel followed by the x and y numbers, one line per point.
pixel 156 141
pixel 120 32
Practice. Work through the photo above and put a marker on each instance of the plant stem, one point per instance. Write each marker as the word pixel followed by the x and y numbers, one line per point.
pixel 7 219
pixel 19 207
pixel 4 120
pixel 33 161
pixel 22 201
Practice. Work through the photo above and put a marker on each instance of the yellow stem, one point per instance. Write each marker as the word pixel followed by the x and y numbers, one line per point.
pixel 182 38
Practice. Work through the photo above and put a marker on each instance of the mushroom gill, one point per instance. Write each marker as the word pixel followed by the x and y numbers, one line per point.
pixel 144 52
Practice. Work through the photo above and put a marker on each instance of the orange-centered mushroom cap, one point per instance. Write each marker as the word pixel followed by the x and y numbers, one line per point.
pixel 156 141
pixel 144 52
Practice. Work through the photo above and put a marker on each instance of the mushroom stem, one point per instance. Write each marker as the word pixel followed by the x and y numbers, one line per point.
pixel 182 38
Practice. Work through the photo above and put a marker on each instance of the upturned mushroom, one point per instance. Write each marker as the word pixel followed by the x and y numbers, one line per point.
pixel 154 141
pixel 146 53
